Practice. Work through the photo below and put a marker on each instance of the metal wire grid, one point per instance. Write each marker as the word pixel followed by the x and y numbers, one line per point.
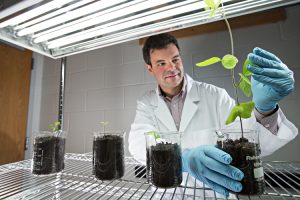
pixel 77 182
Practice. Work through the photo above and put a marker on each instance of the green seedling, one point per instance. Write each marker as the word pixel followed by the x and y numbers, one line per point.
pixel 104 124
pixel 54 127
pixel 155 135
pixel 211 5
pixel 229 61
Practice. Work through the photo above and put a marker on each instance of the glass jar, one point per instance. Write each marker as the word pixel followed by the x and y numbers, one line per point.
pixel 164 165
pixel 108 155
pixel 245 152
pixel 48 152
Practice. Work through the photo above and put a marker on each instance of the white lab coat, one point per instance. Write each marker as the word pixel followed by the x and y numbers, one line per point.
pixel 205 110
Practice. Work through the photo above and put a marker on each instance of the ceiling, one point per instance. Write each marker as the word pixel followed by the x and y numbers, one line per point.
pixel 58 28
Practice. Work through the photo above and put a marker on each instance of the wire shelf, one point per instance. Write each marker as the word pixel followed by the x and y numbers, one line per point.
pixel 77 182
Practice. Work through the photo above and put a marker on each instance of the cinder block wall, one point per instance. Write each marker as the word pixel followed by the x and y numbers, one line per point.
pixel 103 85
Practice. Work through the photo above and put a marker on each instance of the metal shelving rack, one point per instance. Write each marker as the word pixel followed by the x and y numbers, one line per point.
pixel 77 182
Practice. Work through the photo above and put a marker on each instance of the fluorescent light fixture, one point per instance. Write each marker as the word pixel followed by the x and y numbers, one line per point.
pixel 58 28
pixel 101 17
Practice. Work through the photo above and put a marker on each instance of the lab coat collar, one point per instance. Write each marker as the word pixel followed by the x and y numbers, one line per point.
pixel 192 91
pixel 162 112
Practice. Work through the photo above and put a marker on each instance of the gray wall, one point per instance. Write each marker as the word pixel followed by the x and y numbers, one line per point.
pixel 103 85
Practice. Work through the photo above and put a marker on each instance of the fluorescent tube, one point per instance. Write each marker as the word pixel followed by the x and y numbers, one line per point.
pixel 52 14
pixel 99 19
pixel 108 29
pixel 99 5
pixel 34 12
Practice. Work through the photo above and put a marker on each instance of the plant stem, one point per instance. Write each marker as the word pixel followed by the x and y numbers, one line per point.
pixel 235 86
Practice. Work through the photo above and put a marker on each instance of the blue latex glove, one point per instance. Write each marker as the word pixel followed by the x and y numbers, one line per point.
pixel 211 166
pixel 271 79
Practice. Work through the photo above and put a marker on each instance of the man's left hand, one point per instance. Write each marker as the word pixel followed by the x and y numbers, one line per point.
pixel 271 80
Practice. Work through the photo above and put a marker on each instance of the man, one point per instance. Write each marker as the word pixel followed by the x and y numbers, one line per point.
pixel 181 104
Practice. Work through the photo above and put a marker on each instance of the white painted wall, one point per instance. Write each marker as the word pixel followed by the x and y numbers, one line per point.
pixel 103 85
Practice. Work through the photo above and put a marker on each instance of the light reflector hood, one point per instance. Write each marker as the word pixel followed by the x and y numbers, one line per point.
pixel 58 28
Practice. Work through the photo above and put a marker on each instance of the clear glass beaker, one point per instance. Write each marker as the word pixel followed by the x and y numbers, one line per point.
pixel 164 165
pixel 48 152
pixel 108 155
pixel 245 152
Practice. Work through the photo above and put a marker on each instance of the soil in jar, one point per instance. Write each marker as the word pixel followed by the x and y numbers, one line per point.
pixel 246 157
pixel 108 152
pixel 165 164
pixel 48 155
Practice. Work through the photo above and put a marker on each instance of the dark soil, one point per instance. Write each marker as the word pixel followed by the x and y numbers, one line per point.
pixel 165 164
pixel 60 154
pixel 48 155
pixel 245 156
pixel 108 152
pixel 148 167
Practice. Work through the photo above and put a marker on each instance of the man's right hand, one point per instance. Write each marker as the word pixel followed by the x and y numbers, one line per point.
pixel 212 166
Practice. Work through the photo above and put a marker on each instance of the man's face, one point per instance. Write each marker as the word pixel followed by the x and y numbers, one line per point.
pixel 167 68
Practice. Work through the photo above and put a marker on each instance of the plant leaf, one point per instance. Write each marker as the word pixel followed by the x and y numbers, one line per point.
pixel 245 85
pixel 209 61
pixel 243 110
pixel 154 133
pixel 213 10
pixel 235 111
pixel 51 127
pixel 245 70
pixel 55 126
pixel 57 123
pixel 247 109
pixel 104 123
pixel 229 61
pixel 210 3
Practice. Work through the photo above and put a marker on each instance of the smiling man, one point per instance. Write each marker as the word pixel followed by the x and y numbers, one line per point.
pixel 194 108
pixel 167 69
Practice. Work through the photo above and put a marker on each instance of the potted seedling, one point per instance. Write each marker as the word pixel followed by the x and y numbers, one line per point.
pixel 108 154
pixel 241 144
pixel 49 151
pixel 164 167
